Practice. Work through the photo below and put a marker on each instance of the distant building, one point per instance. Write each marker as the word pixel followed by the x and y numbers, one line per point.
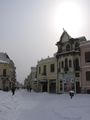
pixel 33 76
pixel 31 81
pixel 7 72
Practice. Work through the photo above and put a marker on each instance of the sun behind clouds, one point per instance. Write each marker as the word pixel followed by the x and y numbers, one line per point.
pixel 69 15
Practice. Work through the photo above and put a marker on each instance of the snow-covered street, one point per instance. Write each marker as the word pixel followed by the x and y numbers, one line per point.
pixel 43 106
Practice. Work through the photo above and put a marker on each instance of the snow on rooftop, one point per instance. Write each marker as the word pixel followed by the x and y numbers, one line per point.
pixel 2 61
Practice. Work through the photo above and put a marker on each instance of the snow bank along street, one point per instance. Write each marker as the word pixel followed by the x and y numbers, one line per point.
pixel 43 106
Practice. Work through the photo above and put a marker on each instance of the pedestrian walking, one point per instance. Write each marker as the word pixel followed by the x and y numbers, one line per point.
pixel 13 88
pixel 71 93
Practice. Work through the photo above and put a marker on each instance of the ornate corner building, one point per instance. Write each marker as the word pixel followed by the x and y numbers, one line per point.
pixel 68 63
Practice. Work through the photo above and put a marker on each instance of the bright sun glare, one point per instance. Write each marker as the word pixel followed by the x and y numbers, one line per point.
pixel 69 15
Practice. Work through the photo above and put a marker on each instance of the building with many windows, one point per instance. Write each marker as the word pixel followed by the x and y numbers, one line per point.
pixel 68 63
pixel 68 69
pixel 62 72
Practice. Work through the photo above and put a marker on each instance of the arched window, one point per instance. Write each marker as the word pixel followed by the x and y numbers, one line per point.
pixel 67 47
pixel 76 46
pixel 66 65
pixel 4 72
pixel 62 64
pixel 66 62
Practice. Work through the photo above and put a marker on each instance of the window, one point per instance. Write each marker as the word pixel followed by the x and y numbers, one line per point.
pixel 52 68
pixel 70 63
pixel 68 47
pixel 88 75
pixel 59 64
pixel 60 49
pixel 4 72
pixel 66 62
pixel 59 67
pixel 44 70
pixel 62 64
pixel 87 56
pixel 76 46
pixel 39 70
pixel 77 75
pixel 66 65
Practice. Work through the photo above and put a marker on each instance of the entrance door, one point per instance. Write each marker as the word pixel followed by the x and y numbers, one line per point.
pixel 52 87
pixel 44 89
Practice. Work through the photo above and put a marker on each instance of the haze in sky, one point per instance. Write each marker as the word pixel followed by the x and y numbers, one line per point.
pixel 29 29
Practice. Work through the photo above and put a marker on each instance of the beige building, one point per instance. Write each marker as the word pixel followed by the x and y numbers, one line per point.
pixel 85 66
pixel 7 72
pixel 47 74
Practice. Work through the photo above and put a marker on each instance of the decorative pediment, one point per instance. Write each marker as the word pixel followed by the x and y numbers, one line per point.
pixel 64 37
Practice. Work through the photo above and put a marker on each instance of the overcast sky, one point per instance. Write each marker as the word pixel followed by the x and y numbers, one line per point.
pixel 29 29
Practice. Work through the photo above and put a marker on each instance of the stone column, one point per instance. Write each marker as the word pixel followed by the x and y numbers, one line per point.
pixel 48 86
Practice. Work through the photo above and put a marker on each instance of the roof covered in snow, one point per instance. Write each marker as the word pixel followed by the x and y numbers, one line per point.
pixel 1 61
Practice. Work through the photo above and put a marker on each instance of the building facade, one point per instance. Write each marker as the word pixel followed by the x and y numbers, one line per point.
pixel 31 81
pixel 47 74
pixel 65 74
pixel 68 63
pixel 68 69
pixel 85 66
pixel 7 72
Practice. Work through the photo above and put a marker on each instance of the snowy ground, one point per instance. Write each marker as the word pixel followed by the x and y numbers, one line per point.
pixel 43 106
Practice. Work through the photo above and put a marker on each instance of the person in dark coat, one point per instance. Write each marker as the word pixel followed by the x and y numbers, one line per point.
pixel 13 88
pixel 71 93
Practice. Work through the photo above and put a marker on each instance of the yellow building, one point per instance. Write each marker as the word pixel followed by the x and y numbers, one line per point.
pixel 7 72
pixel 47 74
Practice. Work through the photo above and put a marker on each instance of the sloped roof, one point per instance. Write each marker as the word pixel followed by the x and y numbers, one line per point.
pixel 4 58
pixel 64 37
pixel 2 61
